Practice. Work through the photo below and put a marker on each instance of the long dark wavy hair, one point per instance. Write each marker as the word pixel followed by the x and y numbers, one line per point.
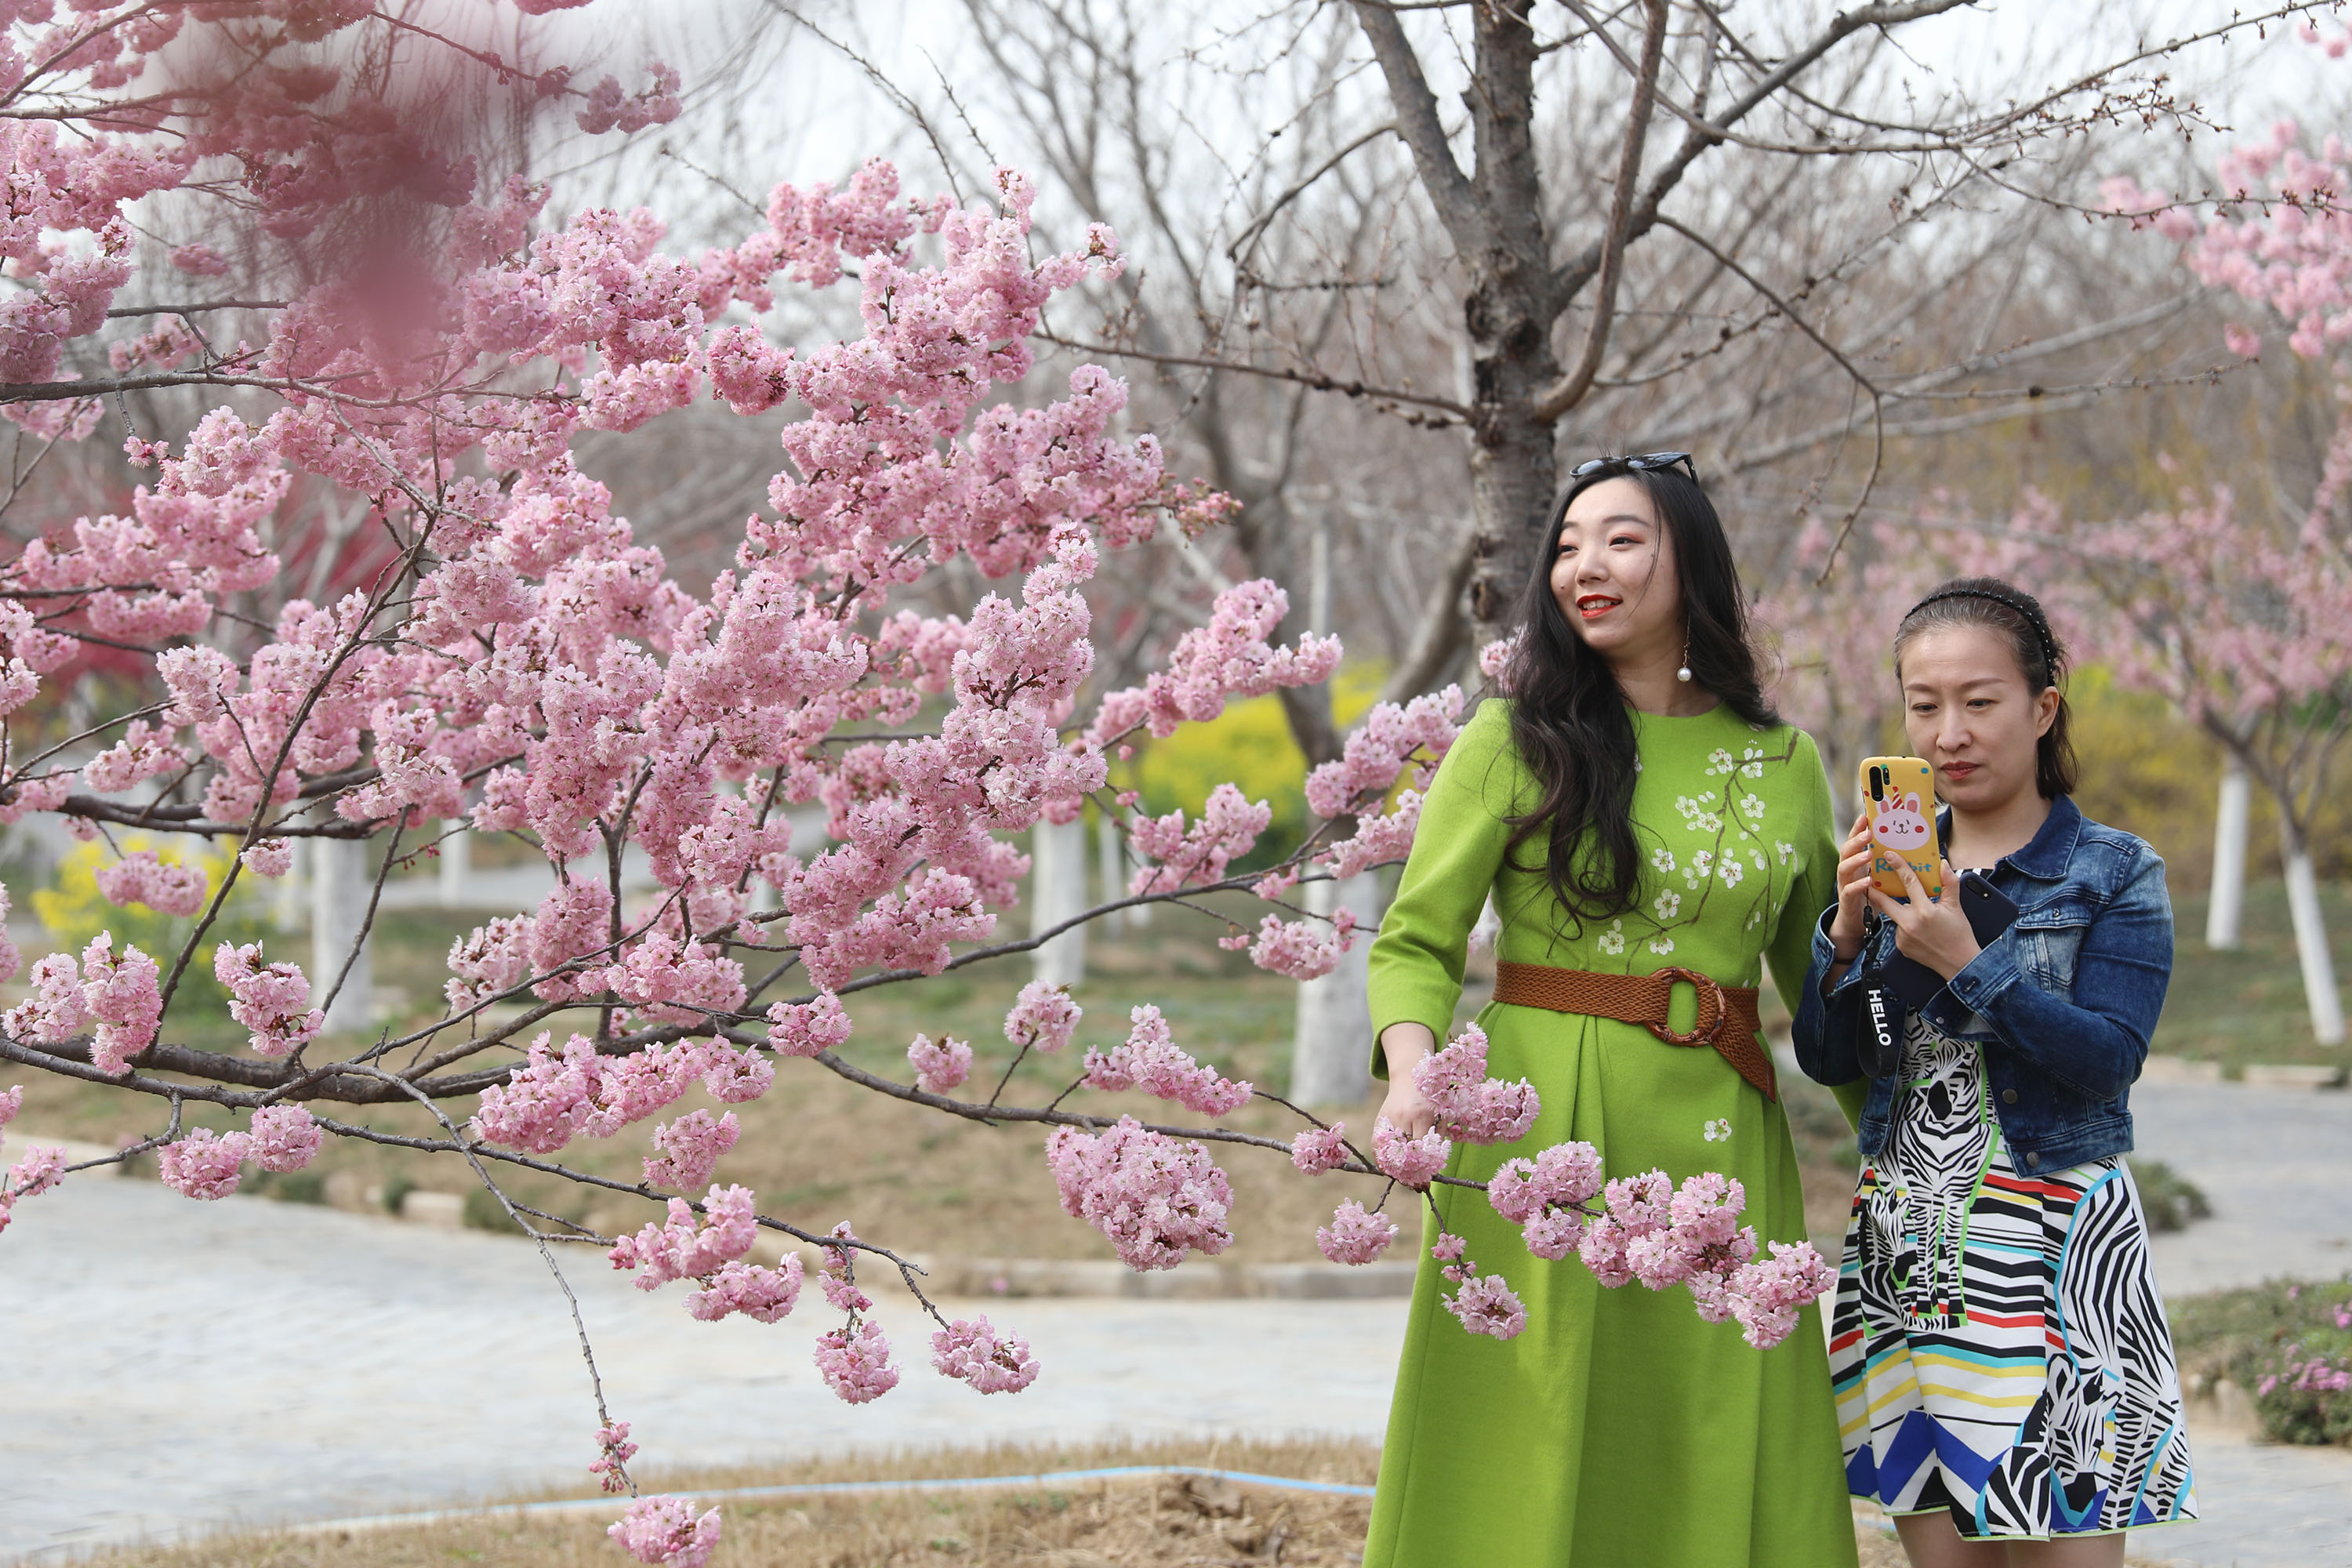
pixel 1570 719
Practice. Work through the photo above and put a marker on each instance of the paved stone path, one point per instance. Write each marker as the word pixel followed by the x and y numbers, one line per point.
pixel 183 1366
pixel 2274 1162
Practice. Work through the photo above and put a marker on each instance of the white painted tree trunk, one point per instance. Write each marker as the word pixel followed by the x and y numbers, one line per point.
pixel 341 882
pixel 457 865
pixel 1111 846
pixel 2223 913
pixel 2311 942
pixel 1330 1061
pixel 1058 892
pixel 286 898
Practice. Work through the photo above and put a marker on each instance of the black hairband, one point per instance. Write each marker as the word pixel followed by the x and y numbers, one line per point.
pixel 2032 614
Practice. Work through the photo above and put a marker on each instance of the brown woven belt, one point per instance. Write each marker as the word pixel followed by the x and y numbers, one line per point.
pixel 1726 1013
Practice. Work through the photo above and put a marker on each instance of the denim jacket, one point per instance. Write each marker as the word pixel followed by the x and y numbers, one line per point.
pixel 2062 1004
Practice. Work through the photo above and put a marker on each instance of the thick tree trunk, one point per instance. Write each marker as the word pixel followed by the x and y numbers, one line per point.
pixel 1332 1060
pixel 2223 910
pixel 1513 469
pixel 2310 934
pixel 1058 892
pixel 342 880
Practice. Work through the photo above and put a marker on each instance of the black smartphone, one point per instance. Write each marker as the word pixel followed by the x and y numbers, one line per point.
pixel 1989 912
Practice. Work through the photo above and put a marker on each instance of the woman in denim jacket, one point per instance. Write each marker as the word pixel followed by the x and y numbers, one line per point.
pixel 2004 1375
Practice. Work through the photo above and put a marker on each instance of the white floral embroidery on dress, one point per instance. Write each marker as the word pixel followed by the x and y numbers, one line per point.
pixel 1783 851
pixel 1668 904
pixel 1663 858
pixel 1719 763
pixel 1700 864
pixel 1613 941
pixel 1753 759
pixel 1661 945
pixel 1730 871
pixel 1753 805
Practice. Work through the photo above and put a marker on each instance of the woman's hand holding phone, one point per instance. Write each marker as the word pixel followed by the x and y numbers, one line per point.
pixel 1932 931
pixel 1847 927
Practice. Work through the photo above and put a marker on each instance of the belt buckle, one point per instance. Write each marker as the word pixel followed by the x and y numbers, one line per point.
pixel 1713 1010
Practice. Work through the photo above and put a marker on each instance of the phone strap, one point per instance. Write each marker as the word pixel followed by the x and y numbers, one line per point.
pixel 1883 1017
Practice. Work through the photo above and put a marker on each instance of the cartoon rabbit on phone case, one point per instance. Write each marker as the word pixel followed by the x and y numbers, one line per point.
pixel 1899 826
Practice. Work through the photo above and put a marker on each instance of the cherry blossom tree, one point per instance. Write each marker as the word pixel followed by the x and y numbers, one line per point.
pixel 519 663
pixel 2244 619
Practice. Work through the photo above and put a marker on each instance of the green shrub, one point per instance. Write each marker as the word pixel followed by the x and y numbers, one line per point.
pixel 2288 1343
pixel 484 1212
pixel 396 1193
pixel 293 1187
pixel 2172 1202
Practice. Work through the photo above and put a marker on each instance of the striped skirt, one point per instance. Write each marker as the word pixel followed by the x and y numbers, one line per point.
pixel 1998 1347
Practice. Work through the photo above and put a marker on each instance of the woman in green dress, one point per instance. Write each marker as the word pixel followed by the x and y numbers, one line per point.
pixel 1633 807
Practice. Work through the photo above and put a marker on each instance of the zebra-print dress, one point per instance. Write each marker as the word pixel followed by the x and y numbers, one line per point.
pixel 1997 1348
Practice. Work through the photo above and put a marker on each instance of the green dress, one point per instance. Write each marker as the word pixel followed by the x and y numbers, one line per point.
pixel 1619 1430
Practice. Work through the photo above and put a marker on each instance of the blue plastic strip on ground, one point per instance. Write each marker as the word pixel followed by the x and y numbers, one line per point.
pixel 846 1488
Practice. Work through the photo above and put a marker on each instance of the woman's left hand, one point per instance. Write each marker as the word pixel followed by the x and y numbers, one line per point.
pixel 1933 932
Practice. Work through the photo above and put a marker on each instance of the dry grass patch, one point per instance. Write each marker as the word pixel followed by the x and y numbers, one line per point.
pixel 1152 1522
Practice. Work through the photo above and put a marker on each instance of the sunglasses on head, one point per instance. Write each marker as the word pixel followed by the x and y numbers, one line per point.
pixel 1639 460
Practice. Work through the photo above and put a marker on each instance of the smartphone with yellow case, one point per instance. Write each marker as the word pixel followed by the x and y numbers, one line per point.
pixel 1899 793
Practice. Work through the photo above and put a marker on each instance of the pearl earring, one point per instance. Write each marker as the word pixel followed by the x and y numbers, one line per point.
pixel 1683 674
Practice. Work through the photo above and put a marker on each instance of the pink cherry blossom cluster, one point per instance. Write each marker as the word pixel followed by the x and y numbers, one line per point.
pixel 1320 1149
pixel 664 1530
pixel 976 1352
pixel 1768 1295
pixel 272 1000
pixel 1392 739
pixel 1481 1303
pixel 1547 1196
pixel 807 1028
pixel 682 1247
pixel 1043 1018
pixel 613 1450
pixel 1210 666
pixel 856 1362
pixel 554 1097
pixel 1355 1236
pixel 1414 1162
pixel 39 1170
pixel 1149 1059
pixel 117 995
pixel 690 1147
pixel 142 878
pixel 1191 855
pixel 205 1164
pixel 855 1359
pixel 1470 1107
pixel 42 1167
pixel 1154 1197
pixel 1663 1235
pixel 1295 948
pixel 762 1294
pixel 939 1067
